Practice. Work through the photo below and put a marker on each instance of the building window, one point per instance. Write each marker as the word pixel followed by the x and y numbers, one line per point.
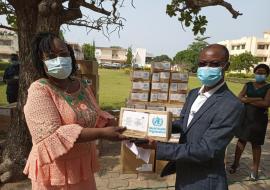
pixel 260 46
pixel 243 46
pixel 267 46
pixel 238 47
pixel 233 47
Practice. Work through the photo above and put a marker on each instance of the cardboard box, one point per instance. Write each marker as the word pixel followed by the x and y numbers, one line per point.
pixel 174 110
pixel 155 77
pixel 139 106
pixel 179 87
pixel 177 98
pixel 157 108
pixel 87 67
pixel 130 164
pixel 155 87
pixel 129 104
pixel 139 96
pixel 159 165
pixel 179 77
pixel 174 87
pixel 141 123
pixel 154 97
pixel 140 86
pixel 160 66
pixel 182 86
pixel 160 87
pixel 165 76
pixel 140 76
pixel 162 97
pixel 6 113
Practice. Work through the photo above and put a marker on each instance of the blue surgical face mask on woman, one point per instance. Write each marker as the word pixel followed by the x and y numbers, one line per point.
pixel 209 76
pixel 260 78
pixel 59 67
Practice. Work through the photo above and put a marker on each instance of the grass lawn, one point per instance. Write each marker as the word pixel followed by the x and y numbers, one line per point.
pixel 115 87
pixel 3 100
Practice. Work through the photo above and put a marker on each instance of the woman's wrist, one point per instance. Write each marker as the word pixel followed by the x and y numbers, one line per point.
pixel 100 133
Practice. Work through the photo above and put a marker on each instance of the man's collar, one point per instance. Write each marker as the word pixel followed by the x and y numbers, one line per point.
pixel 210 92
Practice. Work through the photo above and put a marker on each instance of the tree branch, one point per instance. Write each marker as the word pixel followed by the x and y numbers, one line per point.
pixel 114 8
pixel 93 7
pixel 8 28
pixel 69 15
pixel 73 11
pixel 229 7
pixel 206 3
pixel 84 23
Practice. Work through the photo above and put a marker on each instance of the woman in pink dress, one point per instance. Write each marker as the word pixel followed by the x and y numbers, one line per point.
pixel 64 121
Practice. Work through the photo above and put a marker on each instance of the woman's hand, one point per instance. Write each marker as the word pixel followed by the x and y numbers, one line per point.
pixel 244 100
pixel 250 100
pixel 113 133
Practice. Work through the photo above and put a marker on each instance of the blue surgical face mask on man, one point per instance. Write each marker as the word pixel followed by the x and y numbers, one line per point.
pixel 260 78
pixel 59 67
pixel 209 76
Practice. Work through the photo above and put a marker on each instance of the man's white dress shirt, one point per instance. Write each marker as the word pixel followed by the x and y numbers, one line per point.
pixel 200 100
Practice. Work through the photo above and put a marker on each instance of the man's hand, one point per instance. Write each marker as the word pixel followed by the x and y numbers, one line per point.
pixel 152 144
pixel 113 133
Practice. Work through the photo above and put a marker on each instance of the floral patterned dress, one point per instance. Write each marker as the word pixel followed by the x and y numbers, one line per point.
pixel 55 120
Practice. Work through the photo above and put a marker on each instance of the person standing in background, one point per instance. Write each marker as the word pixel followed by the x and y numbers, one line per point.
pixel 256 96
pixel 11 78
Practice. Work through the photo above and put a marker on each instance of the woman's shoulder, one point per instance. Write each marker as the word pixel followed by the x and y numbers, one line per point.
pixel 40 84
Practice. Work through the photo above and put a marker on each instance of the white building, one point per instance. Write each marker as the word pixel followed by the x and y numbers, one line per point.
pixel 8 44
pixel 258 47
pixel 141 58
pixel 110 55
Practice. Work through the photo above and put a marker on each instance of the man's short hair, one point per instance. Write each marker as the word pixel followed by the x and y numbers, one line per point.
pixel 223 48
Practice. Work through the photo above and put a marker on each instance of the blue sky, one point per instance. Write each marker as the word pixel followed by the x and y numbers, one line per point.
pixel 149 27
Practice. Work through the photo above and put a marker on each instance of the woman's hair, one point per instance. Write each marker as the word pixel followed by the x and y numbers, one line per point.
pixel 262 66
pixel 43 43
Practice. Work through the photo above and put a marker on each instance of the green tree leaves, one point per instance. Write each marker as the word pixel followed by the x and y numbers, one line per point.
pixel 188 59
pixel 188 11
pixel 89 51
pixel 129 56
pixel 244 61
pixel 162 58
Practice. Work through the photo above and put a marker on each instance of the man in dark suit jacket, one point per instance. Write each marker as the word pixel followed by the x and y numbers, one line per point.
pixel 207 124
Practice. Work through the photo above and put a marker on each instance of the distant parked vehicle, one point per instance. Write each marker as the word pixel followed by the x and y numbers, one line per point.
pixel 125 66
pixel 111 65
pixel 137 66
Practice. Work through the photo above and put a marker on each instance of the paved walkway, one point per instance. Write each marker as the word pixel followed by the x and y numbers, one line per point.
pixel 110 176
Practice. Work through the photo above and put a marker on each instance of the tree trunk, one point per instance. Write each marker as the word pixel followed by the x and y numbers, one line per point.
pixel 18 143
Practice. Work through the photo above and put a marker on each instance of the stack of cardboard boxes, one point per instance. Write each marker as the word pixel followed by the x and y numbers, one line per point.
pixel 160 89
